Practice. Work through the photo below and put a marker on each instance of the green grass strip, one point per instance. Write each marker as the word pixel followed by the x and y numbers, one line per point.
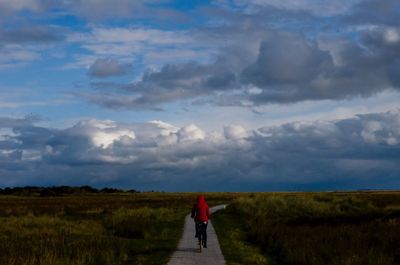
pixel 232 238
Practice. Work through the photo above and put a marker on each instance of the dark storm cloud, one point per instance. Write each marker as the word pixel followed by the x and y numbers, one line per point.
pixel 171 83
pixel 287 60
pixel 292 70
pixel 273 46
pixel 288 54
pixel 285 67
pixel 20 44
pixel 28 120
pixel 102 68
pixel 360 152
pixel 375 12
pixel 32 34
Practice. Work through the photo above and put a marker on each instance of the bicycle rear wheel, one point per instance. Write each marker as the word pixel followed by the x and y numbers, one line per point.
pixel 202 235
pixel 200 242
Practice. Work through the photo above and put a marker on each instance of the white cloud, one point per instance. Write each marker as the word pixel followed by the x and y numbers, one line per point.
pixel 31 155
pixel 13 55
pixel 191 133
pixel 103 133
pixel 392 35
pixel 153 46
pixel 161 155
pixel 166 128
pixel 317 7
pixel 10 155
pixel 235 132
pixel 17 5
pixel 136 35
pixel 126 41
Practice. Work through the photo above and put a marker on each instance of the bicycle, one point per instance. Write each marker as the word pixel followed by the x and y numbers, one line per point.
pixel 202 234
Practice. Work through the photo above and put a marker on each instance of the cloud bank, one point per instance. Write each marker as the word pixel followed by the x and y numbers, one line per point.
pixel 236 53
pixel 278 66
pixel 138 55
pixel 355 153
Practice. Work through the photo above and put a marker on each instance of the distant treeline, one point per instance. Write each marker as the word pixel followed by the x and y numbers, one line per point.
pixel 59 191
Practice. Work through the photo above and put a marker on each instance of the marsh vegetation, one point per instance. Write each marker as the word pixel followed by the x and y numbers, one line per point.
pixel 314 228
pixel 93 228
pixel 82 226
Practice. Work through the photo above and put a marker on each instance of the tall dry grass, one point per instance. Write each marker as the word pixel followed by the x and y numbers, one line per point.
pixel 94 229
pixel 330 229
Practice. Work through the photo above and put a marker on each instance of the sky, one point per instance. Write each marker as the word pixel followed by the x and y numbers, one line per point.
pixel 217 95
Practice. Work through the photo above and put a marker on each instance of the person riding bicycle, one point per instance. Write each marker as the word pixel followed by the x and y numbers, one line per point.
pixel 201 215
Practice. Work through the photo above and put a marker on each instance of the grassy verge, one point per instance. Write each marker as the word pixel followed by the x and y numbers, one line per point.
pixel 232 238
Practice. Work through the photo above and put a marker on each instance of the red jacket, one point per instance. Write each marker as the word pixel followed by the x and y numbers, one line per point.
pixel 200 211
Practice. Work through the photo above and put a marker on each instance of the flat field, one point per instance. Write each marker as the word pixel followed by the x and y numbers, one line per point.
pixel 335 228
pixel 138 228
pixel 332 228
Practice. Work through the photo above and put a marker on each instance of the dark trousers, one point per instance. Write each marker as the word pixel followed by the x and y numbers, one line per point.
pixel 202 228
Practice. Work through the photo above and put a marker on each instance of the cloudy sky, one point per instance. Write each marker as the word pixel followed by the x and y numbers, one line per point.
pixel 229 95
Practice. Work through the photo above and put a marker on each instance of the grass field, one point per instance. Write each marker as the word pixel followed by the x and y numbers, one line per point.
pixel 312 228
pixel 139 228
pixel 256 228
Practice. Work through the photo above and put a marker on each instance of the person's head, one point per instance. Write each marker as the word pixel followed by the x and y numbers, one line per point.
pixel 201 198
